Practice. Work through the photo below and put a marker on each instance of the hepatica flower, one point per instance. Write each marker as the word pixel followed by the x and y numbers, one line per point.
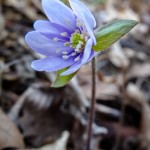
pixel 66 39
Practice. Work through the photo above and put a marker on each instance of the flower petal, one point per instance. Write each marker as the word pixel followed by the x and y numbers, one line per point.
pixel 43 45
pixel 79 8
pixel 59 13
pixel 72 68
pixel 78 65
pixel 47 27
pixel 52 63
pixel 83 13
pixel 93 54
pixel 87 51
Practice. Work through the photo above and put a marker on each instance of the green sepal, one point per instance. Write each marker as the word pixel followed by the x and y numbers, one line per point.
pixel 111 32
pixel 66 2
pixel 62 80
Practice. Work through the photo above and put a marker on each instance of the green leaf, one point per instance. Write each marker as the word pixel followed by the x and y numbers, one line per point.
pixel 66 2
pixel 62 80
pixel 111 32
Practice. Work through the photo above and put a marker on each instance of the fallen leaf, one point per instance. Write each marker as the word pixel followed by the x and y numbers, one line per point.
pixel 9 134
pixel 60 144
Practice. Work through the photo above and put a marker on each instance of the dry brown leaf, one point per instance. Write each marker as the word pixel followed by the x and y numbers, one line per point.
pixel 25 7
pixel 118 57
pixel 103 89
pixel 134 92
pixel 139 70
pixel 60 144
pixel 9 134
pixel 2 26
pixel 145 124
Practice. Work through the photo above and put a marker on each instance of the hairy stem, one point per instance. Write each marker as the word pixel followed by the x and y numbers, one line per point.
pixel 92 106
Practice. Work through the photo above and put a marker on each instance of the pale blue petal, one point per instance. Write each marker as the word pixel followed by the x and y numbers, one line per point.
pixel 59 13
pixel 78 65
pixel 43 45
pixel 49 27
pixel 51 30
pixel 52 36
pixel 72 68
pixel 93 54
pixel 87 51
pixel 84 14
pixel 79 8
pixel 52 63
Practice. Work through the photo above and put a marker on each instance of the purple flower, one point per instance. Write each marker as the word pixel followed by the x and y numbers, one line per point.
pixel 66 40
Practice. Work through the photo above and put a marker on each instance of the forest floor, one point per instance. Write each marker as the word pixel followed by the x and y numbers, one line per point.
pixel 35 116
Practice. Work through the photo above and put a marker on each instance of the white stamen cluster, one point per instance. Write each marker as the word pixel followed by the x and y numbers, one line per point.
pixel 65 53
pixel 73 53
pixel 77 41
pixel 65 57
pixel 66 43
pixel 77 58
pixel 79 24
pixel 55 39
pixel 65 34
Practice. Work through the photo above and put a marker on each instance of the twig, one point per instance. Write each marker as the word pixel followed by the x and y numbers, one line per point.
pixel 92 107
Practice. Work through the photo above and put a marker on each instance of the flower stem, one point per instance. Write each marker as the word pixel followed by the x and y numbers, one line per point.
pixel 92 106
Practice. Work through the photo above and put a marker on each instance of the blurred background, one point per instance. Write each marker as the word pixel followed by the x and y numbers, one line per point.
pixel 33 115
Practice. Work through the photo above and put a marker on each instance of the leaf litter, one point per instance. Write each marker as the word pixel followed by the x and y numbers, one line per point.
pixel 47 118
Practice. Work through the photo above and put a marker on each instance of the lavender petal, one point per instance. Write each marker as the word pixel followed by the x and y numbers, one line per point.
pixel 52 63
pixel 59 13
pixel 72 68
pixel 87 51
pixel 43 45
pixel 83 13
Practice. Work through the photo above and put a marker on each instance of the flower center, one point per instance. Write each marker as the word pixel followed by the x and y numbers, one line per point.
pixel 76 42
pixel 77 39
